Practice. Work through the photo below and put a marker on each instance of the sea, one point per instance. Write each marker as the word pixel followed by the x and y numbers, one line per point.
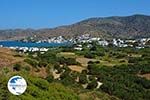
pixel 31 44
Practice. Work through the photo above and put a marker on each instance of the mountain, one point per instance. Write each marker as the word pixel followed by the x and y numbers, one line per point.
pixel 135 26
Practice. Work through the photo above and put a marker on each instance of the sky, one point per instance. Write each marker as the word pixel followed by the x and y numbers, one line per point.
pixel 52 13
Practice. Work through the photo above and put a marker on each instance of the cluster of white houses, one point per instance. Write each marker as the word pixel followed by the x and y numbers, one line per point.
pixel 29 49
pixel 86 38
pixel 59 39
pixel 137 43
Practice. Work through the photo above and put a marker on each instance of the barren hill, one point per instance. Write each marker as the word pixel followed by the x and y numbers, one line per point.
pixel 135 26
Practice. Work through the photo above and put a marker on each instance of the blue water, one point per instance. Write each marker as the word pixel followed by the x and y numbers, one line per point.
pixel 30 44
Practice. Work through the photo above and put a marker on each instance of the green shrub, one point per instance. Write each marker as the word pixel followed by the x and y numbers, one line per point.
pixel 92 85
pixel 50 78
pixel 17 67
pixel 83 79
pixel 89 55
pixel 41 83
pixel 33 63
pixel 42 64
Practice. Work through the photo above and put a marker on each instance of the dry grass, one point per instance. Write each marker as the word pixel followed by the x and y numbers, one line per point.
pixel 84 61
pixel 7 57
pixel 147 76
pixel 40 73
pixel 76 68
pixel 67 54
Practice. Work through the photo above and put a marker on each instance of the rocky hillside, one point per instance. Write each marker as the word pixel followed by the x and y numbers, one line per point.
pixel 136 26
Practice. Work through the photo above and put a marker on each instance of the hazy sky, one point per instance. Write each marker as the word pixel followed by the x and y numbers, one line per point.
pixel 52 13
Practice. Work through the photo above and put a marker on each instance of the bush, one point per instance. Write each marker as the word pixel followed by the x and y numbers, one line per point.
pixel 93 69
pixel 120 55
pixel 33 63
pixel 122 61
pixel 83 79
pixel 17 67
pixel 89 55
pixel 27 68
pixel 67 61
pixel 68 81
pixel 42 64
pixel 92 85
pixel 49 78
pixel 93 62
pixel 41 83
pixel 101 54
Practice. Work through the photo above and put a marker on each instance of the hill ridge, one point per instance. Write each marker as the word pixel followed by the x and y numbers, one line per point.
pixel 135 26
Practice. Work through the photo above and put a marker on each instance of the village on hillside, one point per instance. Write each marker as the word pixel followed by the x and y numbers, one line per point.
pixel 86 38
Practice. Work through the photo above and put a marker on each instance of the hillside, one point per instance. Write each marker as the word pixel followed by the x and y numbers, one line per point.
pixel 8 57
pixel 42 84
pixel 95 73
pixel 135 26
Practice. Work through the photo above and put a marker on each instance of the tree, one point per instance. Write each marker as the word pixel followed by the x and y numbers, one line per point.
pixel 89 55
pixel 92 85
pixel 83 79
pixel 50 78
